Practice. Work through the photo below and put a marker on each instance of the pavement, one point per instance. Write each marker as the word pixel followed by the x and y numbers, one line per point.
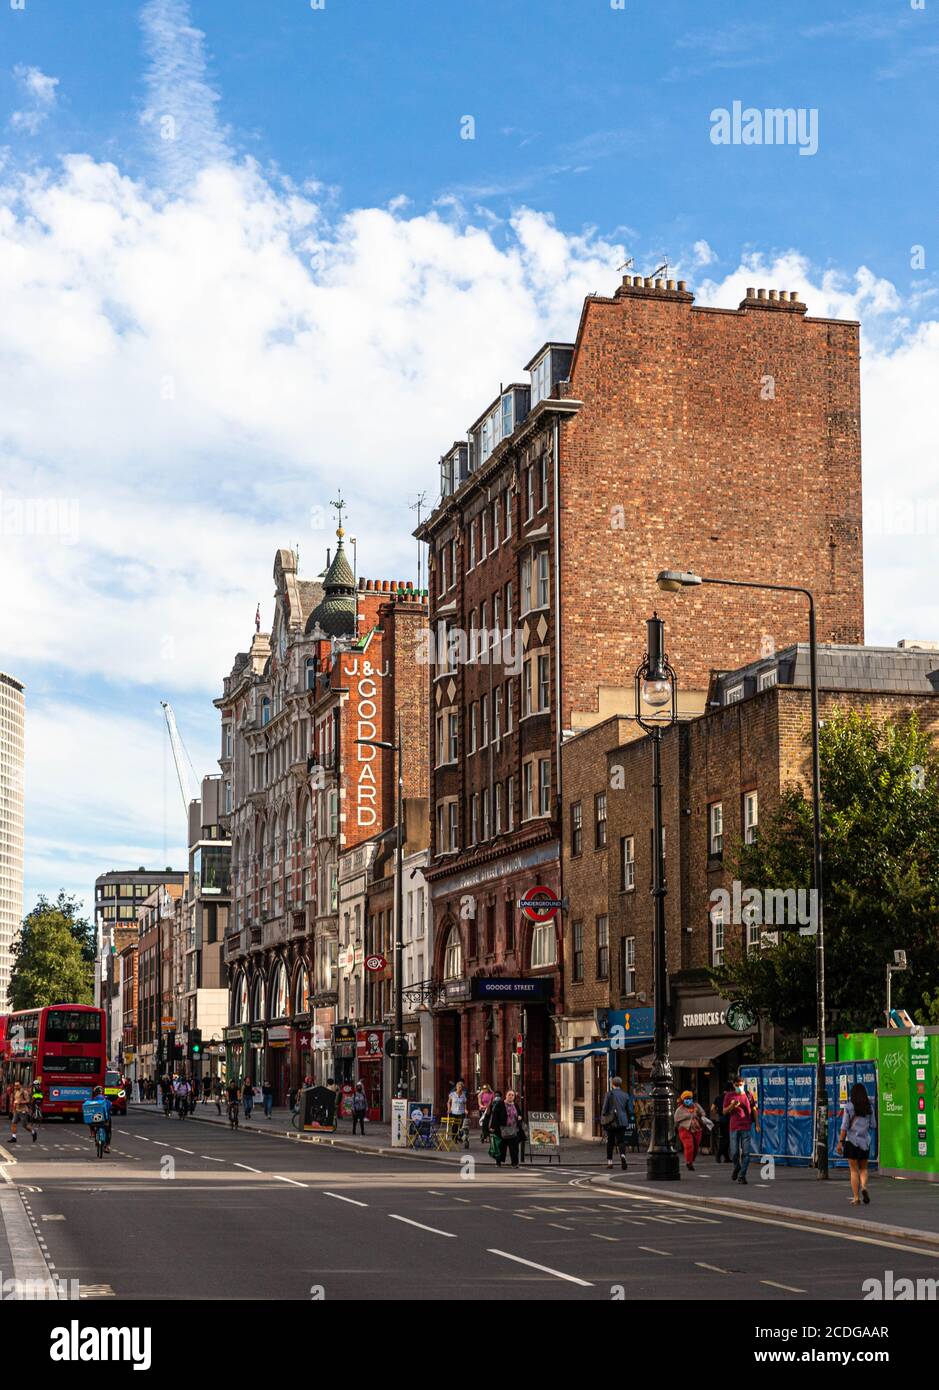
pixel 904 1208
pixel 188 1209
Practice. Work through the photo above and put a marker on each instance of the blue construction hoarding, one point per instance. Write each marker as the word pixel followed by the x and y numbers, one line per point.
pixel 785 1097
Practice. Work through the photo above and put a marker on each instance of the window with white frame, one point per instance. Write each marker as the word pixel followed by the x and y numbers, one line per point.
pixel 603 948
pixel 543 468
pixel 441 823
pixel 483 537
pixel 485 813
pixel 733 694
pixel 497 697
pixel 496 510
pixel 530 492
pixel 507 496
pixel 544 786
pixel 510 804
pixel 766 679
pixel 497 809
pixel 508 706
pixel 629 965
pixel 484 721
pixel 543 944
pixel 472 546
pixel 717 936
pixel 472 740
pixel 453 955
pixel 474 818
pixel 524 592
pixel 544 682
pixel 716 829
pixel 528 790
pixel 454 826
pixel 751 817
pixel 543 581
pixel 627 853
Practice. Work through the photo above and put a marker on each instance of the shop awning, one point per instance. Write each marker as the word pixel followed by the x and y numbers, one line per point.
pixel 699 1052
pixel 579 1054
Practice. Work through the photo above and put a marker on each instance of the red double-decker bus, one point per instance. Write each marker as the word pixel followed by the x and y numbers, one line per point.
pixel 59 1050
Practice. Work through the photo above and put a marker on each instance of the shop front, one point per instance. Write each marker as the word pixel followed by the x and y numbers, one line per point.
pixel 301 1048
pixel 235 1043
pixel 370 1062
pixel 710 1042
pixel 277 1065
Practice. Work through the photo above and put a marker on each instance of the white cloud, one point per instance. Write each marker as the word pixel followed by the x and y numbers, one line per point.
pixel 181 112
pixel 703 255
pixel 40 92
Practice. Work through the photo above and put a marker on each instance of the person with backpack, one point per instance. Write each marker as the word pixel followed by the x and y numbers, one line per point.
pixel 854 1141
pixel 359 1107
pixel 617 1117
pixel 741 1111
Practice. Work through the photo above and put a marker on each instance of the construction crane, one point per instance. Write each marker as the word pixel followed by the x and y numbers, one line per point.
pixel 186 788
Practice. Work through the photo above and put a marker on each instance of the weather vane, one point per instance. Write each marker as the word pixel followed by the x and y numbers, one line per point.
pixel 339 505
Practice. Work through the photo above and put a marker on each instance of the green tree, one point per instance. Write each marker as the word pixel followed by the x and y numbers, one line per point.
pixel 53 959
pixel 880 847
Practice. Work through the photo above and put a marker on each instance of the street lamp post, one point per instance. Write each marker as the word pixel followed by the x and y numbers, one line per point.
pixel 656 687
pixel 399 1058
pixel 671 581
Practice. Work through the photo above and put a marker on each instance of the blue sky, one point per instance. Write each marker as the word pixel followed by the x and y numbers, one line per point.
pixel 192 325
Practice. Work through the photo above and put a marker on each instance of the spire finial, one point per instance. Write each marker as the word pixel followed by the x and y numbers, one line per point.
pixel 339 506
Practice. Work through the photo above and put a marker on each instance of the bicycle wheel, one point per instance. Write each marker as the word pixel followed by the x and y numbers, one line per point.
pixel 295 1119
pixel 99 1143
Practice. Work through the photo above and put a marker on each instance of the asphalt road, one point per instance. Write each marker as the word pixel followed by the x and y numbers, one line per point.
pixel 188 1210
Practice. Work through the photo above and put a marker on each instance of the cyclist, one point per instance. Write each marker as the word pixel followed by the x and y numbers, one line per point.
pixel 98 1095
pixel 166 1091
pixel 233 1094
pixel 182 1097
pixel 21 1105
pixel 37 1101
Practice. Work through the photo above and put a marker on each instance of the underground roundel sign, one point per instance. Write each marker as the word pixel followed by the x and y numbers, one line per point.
pixel 539 904
pixel 375 962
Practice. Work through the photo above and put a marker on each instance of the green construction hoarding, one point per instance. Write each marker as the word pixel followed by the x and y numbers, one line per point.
pixel 908 1094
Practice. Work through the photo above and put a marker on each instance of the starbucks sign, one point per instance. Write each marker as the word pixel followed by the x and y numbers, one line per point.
pixel 740 1019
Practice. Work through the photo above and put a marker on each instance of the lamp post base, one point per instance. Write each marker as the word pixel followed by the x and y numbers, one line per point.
pixel 662 1165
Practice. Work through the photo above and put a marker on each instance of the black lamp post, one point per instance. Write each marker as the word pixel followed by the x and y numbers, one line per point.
pixel 656 687
pixel 671 581
pixel 400 1044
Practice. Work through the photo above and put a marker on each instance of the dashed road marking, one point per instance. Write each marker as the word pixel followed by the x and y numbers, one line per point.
pixel 652 1250
pixel 292 1180
pixel 788 1287
pixel 420 1225
pixel 715 1268
pixel 545 1269
pixel 351 1200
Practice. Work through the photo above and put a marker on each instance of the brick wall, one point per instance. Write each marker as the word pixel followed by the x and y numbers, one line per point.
pixel 677 460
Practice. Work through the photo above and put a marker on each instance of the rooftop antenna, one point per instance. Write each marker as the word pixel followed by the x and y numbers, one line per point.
pixel 627 264
pixel 418 507
pixel 663 266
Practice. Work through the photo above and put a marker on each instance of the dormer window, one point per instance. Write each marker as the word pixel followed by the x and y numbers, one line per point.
pixel 549 367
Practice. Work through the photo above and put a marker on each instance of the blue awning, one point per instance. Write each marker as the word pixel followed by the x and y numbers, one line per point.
pixel 580 1054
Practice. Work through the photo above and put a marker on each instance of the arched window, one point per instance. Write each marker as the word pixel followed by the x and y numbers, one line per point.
pixel 453 955
pixel 311 673
pixel 258 998
pixel 239 999
pixel 279 991
pixel 265 711
pixel 543 947
pixel 301 992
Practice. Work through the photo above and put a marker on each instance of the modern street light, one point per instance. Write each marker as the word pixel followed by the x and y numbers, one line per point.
pixel 656 686
pixel 899 963
pixel 671 581
pixel 399 1058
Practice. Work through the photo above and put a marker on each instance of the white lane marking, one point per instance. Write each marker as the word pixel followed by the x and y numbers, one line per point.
pixel 522 1217
pixel 597 1236
pixel 716 1269
pixel 434 1193
pixel 788 1287
pixel 123 1131
pixel 293 1180
pixel 461 1199
pixel 558 1227
pixel 210 1159
pixel 351 1200
pixel 487 1206
pixel 652 1250
pixel 421 1227
pixel 190 1152
pixel 545 1269
pixel 49 1216
pixel 162 1143
pixel 809 1229
pixel 247 1168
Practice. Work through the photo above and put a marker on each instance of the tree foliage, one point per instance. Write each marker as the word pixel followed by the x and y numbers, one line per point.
pixel 880 849
pixel 53 959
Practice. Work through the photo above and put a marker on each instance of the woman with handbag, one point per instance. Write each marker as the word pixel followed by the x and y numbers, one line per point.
pixel 506 1128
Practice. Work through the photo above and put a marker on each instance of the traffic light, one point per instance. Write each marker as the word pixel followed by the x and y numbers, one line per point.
pixel 195 1044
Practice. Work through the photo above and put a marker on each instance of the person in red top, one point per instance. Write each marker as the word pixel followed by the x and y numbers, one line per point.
pixel 742 1111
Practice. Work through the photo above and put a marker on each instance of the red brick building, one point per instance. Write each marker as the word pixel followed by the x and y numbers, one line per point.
pixel 722 774
pixel 341 664
pixel 664 435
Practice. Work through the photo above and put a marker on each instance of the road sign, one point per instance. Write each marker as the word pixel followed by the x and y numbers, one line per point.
pixel 540 904
pixel 375 963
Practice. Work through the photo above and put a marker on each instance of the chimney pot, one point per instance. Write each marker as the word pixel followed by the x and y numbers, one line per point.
pixel 647 282
pixel 751 292
pixel 660 284
pixel 681 285
pixel 761 294
pixel 670 284
pixel 793 296
pixel 774 294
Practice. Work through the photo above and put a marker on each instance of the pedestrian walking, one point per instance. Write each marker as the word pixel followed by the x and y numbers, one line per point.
pixel 457 1107
pixel 689 1125
pixel 854 1141
pixel 219 1090
pixel 247 1097
pixel 617 1117
pixel 359 1107
pixel 505 1128
pixel 741 1112
pixel 484 1100
pixel 21 1104
pixel 720 1134
pixel 267 1099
